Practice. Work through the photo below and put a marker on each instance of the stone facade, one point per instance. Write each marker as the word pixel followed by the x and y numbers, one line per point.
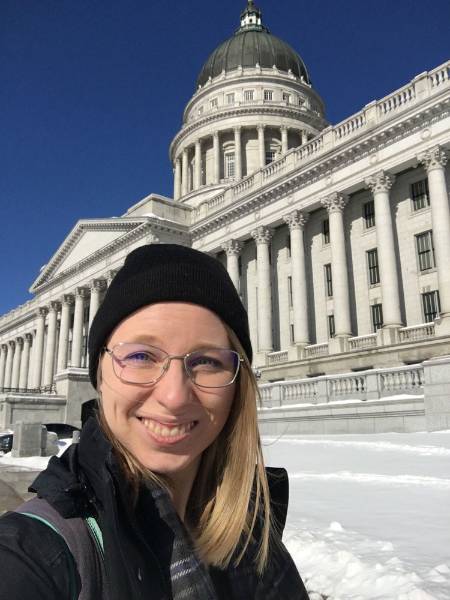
pixel 337 237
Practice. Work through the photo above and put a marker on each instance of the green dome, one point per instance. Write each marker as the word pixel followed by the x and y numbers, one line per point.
pixel 252 44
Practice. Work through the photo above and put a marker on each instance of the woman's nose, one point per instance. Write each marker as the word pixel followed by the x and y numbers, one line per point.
pixel 174 389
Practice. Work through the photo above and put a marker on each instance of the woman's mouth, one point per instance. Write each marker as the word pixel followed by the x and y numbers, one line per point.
pixel 164 432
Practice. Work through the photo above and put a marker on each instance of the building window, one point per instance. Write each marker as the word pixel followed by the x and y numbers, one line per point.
pixel 328 280
pixel 230 98
pixel 372 263
pixel 291 301
pixel 425 250
pixel 331 328
pixel 431 305
pixel 292 333
pixel 420 194
pixel 268 95
pixel 200 110
pixel 214 103
pixel 369 214
pixel 270 156
pixel 326 231
pixel 286 97
pixel 248 95
pixel 377 316
pixel 229 165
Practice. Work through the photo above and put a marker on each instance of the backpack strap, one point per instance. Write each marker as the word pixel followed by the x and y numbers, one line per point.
pixel 84 541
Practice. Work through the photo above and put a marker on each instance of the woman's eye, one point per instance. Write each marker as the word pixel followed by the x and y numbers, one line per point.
pixel 205 361
pixel 140 357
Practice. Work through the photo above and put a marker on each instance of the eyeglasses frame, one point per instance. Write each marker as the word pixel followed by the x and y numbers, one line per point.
pixel 167 362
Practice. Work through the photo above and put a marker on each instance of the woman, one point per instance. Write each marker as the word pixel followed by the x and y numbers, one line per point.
pixel 172 470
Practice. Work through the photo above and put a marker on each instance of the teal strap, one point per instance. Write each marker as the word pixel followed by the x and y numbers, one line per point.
pixel 73 586
pixel 96 534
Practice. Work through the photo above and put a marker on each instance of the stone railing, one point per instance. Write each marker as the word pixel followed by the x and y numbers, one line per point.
pixel 274 358
pixel 416 332
pixel 363 341
pixel 364 385
pixel 375 113
pixel 48 389
pixel 315 350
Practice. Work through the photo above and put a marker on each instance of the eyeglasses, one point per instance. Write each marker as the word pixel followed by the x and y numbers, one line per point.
pixel 207 367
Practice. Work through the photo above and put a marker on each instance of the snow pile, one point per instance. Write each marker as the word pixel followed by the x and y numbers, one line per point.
pixel 32 462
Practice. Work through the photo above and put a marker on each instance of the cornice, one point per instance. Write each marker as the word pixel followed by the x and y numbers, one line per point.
pixel 290 110
pixel 326 163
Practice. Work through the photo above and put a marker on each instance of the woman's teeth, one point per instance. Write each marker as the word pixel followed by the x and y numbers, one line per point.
pixel 163 431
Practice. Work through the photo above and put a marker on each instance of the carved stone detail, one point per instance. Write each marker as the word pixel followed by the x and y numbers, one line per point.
pixel 296 219
pixel 232 247
pixel 434 158
pixel 380 182
pixel 335 202
pixel 262 235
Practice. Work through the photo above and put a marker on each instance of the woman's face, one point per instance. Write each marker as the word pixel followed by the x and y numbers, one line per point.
pixel 168 424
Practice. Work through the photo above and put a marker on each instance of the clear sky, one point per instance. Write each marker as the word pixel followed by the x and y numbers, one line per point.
pixel 92 93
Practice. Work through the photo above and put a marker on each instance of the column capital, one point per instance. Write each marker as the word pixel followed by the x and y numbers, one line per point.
pixel 237 128
pixel 335 202
pixel 4 347
pixel 260 127
pixel 110 275
pixel 98 285
pixel 216 135
pixel 41 312
pixel 284 128
pixel 262 235
pixel 380 182
pixel 433 158
pixel 68 299
pixel 54 306
pixel 232 247
pixel 11 344
pixel 28 337
pixel 296 219
pixel 81 292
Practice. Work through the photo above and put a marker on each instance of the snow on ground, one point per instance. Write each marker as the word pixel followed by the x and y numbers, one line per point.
pixel 369 515
pixel 32 462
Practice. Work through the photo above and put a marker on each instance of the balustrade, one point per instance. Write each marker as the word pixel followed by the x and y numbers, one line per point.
pixel 363 341
pixel 416 332
pixel 275 358
pixel 314 350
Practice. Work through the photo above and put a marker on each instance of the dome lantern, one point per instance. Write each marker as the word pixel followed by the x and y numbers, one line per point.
pixel 251 18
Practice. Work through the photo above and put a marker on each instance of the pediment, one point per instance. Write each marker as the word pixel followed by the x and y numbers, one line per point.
pixel 88 239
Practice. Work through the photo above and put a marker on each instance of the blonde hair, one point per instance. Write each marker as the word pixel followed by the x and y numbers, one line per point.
pixel 221 521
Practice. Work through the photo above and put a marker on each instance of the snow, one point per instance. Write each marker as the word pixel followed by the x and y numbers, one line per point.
pixel 32 462
pixel 368 514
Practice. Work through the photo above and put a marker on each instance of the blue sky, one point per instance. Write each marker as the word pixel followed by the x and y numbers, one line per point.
pixel 93 92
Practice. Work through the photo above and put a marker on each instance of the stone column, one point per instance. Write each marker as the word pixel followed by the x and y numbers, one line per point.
pixel 25 362
pixel 262 237
pixel 237 153
pixel 3 353
pixel 216 152
pixel 39 347
pixel 49 362
pixel 185 174
pixel 261 147
pixel 335 204
pixel 67 302
pixel 77 332
pixel 110 276
pixel 198 165
pixel 232 249
pixel 177 179
pixel 380 184
pixel 434 161
pixel 16 363
pixel 9 363
pixel 304 137
pixel 296 221
pixel 97 287
pixel 284 140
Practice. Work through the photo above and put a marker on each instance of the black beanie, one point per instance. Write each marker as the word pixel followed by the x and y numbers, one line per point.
pixel 164 273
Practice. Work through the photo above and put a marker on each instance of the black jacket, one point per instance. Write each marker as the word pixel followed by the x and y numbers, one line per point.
pixel 86 481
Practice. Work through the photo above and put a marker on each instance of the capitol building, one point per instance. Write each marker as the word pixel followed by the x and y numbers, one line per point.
pixel 337 237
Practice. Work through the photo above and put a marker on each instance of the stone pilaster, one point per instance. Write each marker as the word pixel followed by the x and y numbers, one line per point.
pixel 434 161
pixel 38 355
pixel 380 184
pixel 296 221
pixel 25 362
pixel 81 294
pixel 262 237
pixel 49 362
pixel 232 249
pixel 16 363
pixel 185 173
pixel 3 353
pixel 198 165
pixel 237 153
pixel 261 147
pixel 335 204
pixel 177 179
pixel 97 288
pixel 9 363
pixel 284 140
pixel 67 303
